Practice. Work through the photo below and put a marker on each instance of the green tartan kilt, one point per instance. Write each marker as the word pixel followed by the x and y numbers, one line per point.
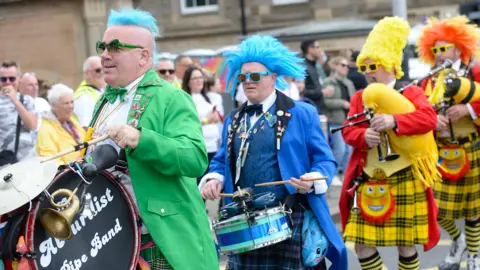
pixel 153 255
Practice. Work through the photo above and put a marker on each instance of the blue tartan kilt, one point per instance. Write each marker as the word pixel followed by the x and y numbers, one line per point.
pixel 286 255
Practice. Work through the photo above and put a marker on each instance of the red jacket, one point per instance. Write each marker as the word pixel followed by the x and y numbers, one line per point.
pixel 421 121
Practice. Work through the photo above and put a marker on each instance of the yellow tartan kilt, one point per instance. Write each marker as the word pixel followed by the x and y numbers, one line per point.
pixel 461 199
pixel 408 225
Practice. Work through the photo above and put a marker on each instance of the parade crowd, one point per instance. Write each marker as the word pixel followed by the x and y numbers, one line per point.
pixel 406 154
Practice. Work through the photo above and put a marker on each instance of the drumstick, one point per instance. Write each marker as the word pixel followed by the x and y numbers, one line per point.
pixel 288 181
pixel 226 194
pixel 76 148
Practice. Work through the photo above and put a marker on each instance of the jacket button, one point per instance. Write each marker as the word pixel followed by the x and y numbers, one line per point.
pixel 162 210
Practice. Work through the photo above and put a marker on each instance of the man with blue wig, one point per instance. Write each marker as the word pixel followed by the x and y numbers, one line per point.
pixel 155 126
pixel 269 138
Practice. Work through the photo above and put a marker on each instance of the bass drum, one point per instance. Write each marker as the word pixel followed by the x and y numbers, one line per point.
pixel 108 239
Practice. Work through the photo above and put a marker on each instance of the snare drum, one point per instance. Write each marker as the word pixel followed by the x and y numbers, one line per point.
pixel 110 239
pixel 237 234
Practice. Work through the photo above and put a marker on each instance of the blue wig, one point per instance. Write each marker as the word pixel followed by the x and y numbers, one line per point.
pixel 135 17
pixel 269 52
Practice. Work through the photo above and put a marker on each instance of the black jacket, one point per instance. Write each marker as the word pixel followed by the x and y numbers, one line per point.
pixel 313 88
pixel 357 78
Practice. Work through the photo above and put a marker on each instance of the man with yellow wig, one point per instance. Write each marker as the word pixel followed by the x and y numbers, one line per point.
pixel 458 195
pixel 388 203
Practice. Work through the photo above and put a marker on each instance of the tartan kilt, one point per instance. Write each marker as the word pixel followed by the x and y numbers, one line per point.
pixel 286 255
pixel 153 255
pixel 461 199
pixel 408 225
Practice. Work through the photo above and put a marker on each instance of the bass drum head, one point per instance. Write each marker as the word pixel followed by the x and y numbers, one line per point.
pixel 109 239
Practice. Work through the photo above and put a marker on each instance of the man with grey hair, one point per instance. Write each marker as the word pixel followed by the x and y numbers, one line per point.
pixel 28 86
pixel 89 90
pixel 166 70
pixel 18 119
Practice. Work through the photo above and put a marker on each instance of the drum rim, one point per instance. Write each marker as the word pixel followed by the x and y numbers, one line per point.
pixel 258 213
pixel 29 225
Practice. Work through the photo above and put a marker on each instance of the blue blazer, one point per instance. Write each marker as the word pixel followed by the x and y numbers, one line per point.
pixel 303 149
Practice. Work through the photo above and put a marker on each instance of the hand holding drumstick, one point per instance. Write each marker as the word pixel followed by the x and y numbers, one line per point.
pixel 302 185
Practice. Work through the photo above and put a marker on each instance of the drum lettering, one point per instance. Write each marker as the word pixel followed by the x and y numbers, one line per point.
pixel 75 264
pixel 97 244
pixel 67 265
pixel 109 195
pixel 47 248
pixel 60 243
pixel 104 201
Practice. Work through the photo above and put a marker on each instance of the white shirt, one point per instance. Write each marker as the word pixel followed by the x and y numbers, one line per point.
pixel 292 92
pixel 83 108
pixel 211 133
pixel 320 187
pixel 41 105
pixel 118 117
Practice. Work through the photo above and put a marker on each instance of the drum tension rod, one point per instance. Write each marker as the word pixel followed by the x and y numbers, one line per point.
pixel 8 177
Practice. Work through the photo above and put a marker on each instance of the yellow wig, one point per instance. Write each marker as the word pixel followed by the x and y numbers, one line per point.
pixel 455 30
pixel 385 44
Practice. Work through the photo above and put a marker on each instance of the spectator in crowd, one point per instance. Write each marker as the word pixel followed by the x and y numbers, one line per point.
pixel 182 62
pixel 313 86
pixel 60 130
pixel 209 107
pixel 358 79
pixel 19 121
pixel 28 86
pixel 89 90
pixel 337 109
pixel 166 70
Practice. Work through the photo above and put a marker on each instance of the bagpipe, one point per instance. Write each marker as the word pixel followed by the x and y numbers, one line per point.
pixel 421 150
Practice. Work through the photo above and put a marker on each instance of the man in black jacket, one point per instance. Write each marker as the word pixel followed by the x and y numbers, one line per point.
pixel 356 77
pixel 313 87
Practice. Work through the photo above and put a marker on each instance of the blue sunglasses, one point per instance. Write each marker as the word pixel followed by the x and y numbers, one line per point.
pixel 253 76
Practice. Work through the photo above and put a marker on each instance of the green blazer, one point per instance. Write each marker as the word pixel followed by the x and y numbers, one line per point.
pixel 170 155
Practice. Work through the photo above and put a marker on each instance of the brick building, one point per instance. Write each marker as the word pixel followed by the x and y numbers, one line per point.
pixel 53 37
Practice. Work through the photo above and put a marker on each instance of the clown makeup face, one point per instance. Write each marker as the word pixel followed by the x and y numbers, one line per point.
pixel 444 50
pixel 258 82
pixel 375 72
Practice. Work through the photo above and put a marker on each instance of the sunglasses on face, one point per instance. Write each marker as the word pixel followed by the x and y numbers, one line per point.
pixel 5 79
pixel 372 67
pixel 441 49
pixel 114 46
pixel 253 76
pixel 164 71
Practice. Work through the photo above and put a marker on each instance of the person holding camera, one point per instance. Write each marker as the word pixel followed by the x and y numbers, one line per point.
pixel 18 120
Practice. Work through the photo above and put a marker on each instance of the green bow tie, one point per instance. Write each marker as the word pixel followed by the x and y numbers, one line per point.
pixel 111 93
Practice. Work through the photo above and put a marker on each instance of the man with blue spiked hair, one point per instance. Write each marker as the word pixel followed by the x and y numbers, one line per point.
pixel 268 138
pixel 155 127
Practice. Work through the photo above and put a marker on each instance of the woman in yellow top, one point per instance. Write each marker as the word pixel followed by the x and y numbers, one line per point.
pixel 59 130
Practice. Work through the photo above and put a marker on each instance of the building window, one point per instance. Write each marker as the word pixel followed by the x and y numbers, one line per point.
pixel 198 6
pixel 287 2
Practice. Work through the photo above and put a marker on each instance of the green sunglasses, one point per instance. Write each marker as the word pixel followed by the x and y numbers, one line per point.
pixel 114 45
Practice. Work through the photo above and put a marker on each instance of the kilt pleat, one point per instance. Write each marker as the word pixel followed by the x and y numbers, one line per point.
pixel 153 255
pixel 408 225
pixel 286 255
pixel 461 199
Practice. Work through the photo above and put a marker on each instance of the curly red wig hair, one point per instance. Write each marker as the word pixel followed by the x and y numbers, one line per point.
pixel 455 30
